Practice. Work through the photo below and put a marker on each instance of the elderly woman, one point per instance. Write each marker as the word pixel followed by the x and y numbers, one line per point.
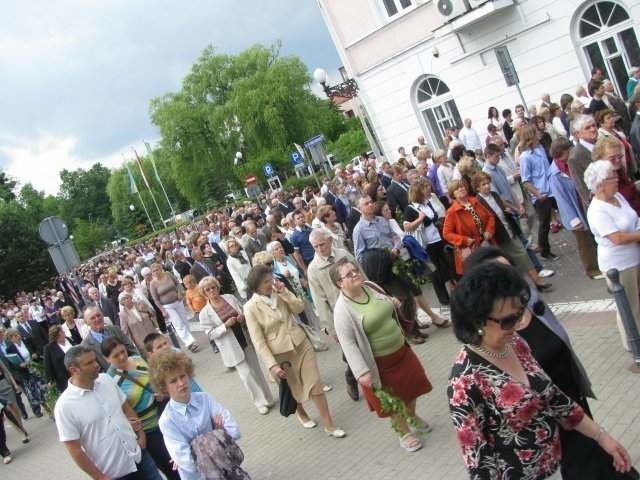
pixel 606 120
pixel 375 348
pixel 467 224
pixel 55 371
pixel 222 320
pixel 612 150
pixel 505 408
pixel 283 346
pixel 615 226
pixel 20 356
pixel 238 265
pixel 423 219
pixel 133 378
pixel 164 291
pixel 507 228
pixel 136 321
pixel 74 328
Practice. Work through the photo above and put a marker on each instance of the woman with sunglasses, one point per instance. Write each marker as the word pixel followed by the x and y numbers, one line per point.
pixel 222 319
pixel 505 408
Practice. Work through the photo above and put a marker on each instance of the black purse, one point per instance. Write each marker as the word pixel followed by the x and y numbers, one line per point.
pixel 288 404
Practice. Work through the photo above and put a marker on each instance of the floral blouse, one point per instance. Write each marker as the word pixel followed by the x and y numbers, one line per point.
pixel 508 430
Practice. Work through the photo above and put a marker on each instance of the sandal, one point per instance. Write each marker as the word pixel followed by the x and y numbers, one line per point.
pixel 422 426
pixel 408 445
pixel 194 347
pixel 446 323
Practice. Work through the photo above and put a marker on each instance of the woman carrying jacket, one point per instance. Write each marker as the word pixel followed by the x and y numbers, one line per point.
pixel 376 350
pixel 222 319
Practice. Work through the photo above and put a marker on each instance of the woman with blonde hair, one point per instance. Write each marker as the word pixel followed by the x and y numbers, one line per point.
pixel 74 328
pixel 238 264
pixel 612 150
pixel 136 321
pixel 223 321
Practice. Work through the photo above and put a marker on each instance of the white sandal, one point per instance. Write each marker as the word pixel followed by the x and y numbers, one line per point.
pixel 406 446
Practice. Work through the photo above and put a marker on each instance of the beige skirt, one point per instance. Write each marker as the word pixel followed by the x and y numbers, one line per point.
pixel 303 376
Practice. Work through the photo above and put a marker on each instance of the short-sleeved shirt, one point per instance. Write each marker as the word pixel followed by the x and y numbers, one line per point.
pixel 605 219
pixel 300 241
pixel 95 418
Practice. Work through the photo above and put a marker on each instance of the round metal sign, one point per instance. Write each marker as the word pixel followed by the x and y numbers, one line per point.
pixel 53 230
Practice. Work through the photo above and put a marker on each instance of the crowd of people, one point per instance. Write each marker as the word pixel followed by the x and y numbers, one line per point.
pixel 273 282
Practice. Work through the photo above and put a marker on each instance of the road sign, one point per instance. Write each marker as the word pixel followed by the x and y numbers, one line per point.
pixel 268 169
pixel 251 178
pixel 296 158
pixel 506 65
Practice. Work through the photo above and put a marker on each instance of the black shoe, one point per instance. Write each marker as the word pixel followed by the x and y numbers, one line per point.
pixel 544 286
pixel 550 256
pixel 352 391
pixel 38 414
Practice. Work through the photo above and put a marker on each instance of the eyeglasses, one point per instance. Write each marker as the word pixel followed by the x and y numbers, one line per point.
pixel 507 323
pixel 211 288
pixel 351 274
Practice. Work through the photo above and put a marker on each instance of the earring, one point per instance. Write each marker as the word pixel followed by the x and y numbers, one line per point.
pixel 481 332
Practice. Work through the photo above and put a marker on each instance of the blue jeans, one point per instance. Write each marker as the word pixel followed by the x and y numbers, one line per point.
pixel 147 467
pixel 532 255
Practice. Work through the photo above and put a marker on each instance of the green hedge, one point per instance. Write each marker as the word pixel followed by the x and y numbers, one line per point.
pixel 157 233
pixel 300 182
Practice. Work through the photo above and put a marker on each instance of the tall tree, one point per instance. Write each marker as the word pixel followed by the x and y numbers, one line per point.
pixel 7 186
pixel 257 102
pixel 84 194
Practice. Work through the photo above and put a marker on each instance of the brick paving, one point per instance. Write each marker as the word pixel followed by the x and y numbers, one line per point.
pixel 279 448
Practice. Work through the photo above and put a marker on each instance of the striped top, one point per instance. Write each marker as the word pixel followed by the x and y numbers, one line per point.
pixel 139 393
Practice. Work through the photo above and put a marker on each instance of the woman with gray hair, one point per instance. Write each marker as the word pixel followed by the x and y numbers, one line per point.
pixel 238 264
pixel 615 226
pixel 136 321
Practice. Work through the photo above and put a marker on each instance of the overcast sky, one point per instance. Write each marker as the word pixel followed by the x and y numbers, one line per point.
pixel 77 75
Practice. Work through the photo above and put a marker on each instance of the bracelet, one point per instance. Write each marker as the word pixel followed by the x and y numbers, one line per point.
pixel 599 434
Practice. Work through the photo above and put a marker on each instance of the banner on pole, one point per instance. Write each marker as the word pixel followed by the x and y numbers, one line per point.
pixel 153 162
pixel 132 183
pixel 144 177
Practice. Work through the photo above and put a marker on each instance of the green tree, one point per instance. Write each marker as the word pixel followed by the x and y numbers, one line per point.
pixel 90 238
pixel 24 260
pixel 38 205
pixel 7 186
pixel 84 194
pixel 350 143
pixel 257 102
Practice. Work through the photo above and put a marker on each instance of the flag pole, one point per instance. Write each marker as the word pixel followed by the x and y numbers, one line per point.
pixel 155 170
pixel 146 182
pixel 134 189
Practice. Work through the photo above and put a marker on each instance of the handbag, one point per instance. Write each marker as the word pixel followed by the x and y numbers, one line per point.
pixel 288 404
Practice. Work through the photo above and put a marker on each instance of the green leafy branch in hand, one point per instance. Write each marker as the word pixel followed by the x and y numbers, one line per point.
pixel 396 408
pixel 406 268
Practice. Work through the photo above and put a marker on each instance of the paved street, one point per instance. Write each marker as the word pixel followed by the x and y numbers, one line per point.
pixel 279 448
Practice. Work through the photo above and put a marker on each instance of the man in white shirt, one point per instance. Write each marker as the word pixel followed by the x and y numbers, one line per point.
pixel 99 429
pixel 469 137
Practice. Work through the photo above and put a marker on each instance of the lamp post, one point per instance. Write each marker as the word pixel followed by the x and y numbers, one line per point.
pixel 132 207
pixel 348 89
pixel 237 159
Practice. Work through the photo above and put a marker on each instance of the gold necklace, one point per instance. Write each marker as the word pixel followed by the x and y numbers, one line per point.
pixel 492 354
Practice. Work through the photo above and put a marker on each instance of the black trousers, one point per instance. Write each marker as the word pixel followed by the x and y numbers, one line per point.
pixel 160 455
pixel 4 451
pixel 443 262
pixel 544 209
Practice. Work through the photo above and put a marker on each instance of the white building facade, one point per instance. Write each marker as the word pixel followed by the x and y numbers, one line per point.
pixel 424 65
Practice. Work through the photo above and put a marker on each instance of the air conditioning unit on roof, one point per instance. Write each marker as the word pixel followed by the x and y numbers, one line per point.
pixel 450 9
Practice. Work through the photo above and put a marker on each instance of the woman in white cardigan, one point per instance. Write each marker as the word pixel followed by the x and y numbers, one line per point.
pixel 222 319
pixel 239 265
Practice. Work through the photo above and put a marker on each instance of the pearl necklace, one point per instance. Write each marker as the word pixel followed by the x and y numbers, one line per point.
pixel 491 354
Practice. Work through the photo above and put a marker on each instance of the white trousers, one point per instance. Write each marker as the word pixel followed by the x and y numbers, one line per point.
pixel 180 320
pixel 252 378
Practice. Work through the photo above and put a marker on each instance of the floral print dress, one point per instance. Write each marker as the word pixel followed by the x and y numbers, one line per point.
pixel 508 430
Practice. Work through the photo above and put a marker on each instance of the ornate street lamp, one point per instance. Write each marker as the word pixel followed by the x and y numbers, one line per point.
pixel 346 89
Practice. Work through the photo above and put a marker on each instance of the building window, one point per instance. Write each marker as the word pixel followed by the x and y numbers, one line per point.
pixel 395 8
pixel 437 107
pixel 607 39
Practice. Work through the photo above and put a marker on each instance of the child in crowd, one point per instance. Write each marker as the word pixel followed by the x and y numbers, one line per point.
pixel 156 343
pixel 188 414
pixel 196 301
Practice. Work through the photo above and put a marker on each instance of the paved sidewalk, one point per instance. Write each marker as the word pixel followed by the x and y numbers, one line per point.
pixel 279 448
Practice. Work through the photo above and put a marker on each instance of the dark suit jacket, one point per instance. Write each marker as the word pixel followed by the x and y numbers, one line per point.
pixel 385 180
pixel 110 331
pixel 107 308
pixel 397 198
pixel 34 340
pixel 183 268
pixel 341 211
pixel 252 246
pixel 54 368
pixel 579 160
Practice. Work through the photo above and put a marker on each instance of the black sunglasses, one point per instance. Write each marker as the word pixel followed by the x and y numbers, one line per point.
pixel 507 323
